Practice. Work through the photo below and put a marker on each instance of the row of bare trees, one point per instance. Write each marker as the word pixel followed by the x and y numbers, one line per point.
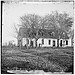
pixel 31 23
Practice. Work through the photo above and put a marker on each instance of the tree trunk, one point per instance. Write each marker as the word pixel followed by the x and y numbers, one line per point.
pixel 37 36
pixel 58 41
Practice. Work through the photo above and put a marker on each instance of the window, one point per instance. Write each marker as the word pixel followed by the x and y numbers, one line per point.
pixel 66 42
pixel 42 41
pixel 63 34
pixel 53 43
pixel 49 42
pixel 60 42
pixel 53 34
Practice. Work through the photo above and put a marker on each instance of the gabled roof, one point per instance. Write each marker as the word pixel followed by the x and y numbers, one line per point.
pixel 64 35
pixel 43 33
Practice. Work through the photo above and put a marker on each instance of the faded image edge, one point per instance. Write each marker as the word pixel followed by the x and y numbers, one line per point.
pixel 40 0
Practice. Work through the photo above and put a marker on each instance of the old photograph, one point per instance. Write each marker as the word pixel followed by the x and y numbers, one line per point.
pixel 37 37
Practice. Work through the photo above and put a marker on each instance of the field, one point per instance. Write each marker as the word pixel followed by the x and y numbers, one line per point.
pixel 46 59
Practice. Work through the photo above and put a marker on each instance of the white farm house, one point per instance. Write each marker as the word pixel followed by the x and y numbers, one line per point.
pixel 49 38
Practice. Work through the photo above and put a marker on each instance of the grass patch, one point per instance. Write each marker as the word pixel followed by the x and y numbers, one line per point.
pixel 47 59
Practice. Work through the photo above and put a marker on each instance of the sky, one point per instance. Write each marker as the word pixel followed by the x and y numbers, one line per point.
pixel 13 11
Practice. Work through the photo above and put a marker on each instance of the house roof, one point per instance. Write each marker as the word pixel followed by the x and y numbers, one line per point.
pixel 48 33
pixel 43 33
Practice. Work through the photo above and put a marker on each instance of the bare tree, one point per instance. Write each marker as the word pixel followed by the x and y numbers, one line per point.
pixel 31 24
pixel 60 22
pixel 15 34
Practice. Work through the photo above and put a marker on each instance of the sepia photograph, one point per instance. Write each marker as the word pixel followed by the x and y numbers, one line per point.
pixel 37 37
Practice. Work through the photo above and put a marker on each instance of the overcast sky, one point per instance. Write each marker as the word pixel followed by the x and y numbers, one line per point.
pixel 12 12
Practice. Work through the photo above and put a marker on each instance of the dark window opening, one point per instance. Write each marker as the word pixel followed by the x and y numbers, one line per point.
pixel 60 42
pixel 51 33
pixel 49 42
pixel 66 42
pixel 42 41
pixel 53 43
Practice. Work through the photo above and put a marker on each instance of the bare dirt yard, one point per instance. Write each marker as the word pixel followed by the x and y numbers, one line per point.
pixel 46 59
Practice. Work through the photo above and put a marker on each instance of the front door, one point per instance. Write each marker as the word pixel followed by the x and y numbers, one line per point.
pixel 53 43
